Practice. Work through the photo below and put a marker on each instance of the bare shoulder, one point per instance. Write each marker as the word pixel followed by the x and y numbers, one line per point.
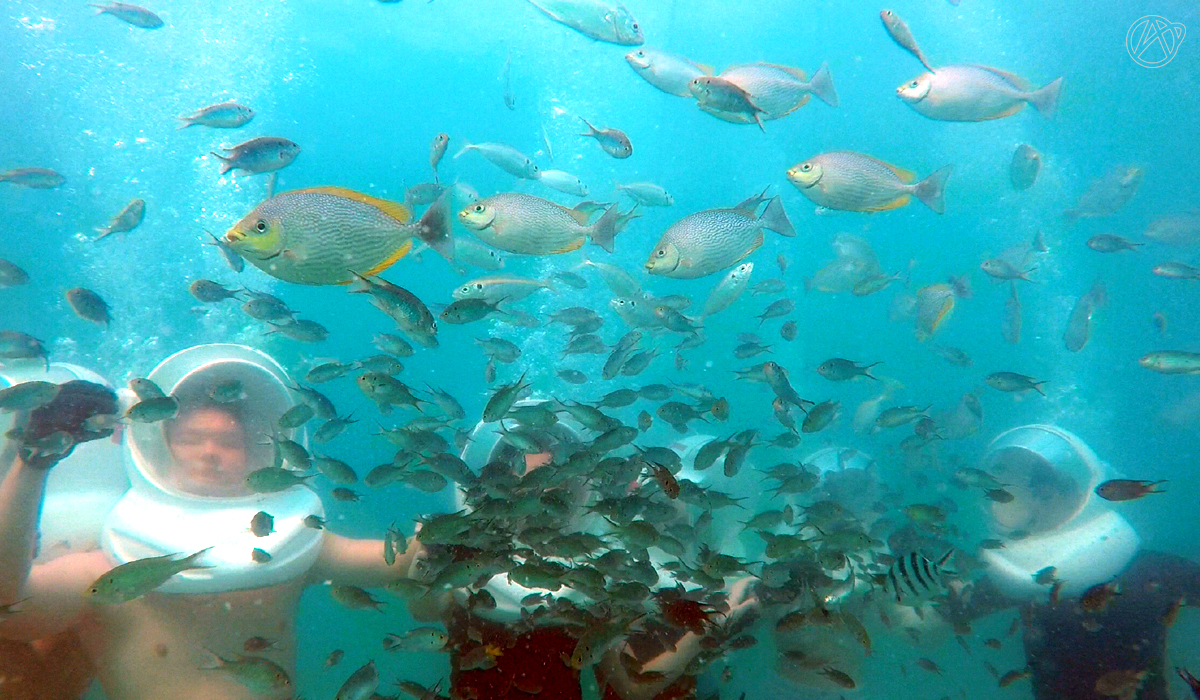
pixel 53 595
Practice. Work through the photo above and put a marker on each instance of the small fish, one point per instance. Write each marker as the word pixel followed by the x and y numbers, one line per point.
pixel 361 685
pixel 788 331
pixel 437 149
pixel 613 141
pixel 1128 489
pixel 136 578
pixel 647 194
pixel 209 292
pixel 33 178
pixel 603 20
pixel 1010 324
pixel 254 645
pixel 563 182
pixel 1013 676
pixel 1046 576
pixel 260 556
pixel 717 94
pixel 334 658
pixel 468 311
pixel 89 306
pixel 27 396
pixel 11 275
pixel 820 416
pixel 262 524
pixel 355 598
pixel 130 14
pixel 1109 243
pixel 301 330
pixel 1107 194
pixel 153 410
pixel 913 579
pixel 667 72
pixel 426 639
pixel 273 479
pixel 1079 324
pixel 849 181
pixel 1013 382
pixel 423 193
pixel 15 345
pixel 709 241
pixel 505 157
pixel 521 223
pixel 971 93
pixel 900 34
pixel 839 370
pixel 572 376
pixel 839 678
pixel 1025 166
pixel 129 219
pixel 261 676
pixel 226 115
pixel 1172 362
pixel 777 308
pixel 510 100
pixel 261 155
pixel 1097 598
pixel 1177 270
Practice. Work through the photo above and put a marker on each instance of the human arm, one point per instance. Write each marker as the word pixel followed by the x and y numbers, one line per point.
pixel 667 667
pixel 359 562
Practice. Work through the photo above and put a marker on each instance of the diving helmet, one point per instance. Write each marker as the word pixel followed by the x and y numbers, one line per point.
pixel 1055 518
pixel 164 513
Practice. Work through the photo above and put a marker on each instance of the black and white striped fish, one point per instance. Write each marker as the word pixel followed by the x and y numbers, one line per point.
pixel 913 579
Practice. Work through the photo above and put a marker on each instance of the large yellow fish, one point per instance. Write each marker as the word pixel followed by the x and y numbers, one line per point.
pixel 850 181
pixel 325 235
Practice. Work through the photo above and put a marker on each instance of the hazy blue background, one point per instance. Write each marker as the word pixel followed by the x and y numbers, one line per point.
pixel 363 87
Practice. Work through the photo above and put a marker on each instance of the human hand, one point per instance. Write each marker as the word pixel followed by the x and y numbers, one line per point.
pixel 741 600
pixel 81 412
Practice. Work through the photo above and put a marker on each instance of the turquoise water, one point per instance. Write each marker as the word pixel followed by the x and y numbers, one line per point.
pixel 363 87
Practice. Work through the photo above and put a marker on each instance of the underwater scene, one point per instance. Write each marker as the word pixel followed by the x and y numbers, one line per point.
pixel 581 349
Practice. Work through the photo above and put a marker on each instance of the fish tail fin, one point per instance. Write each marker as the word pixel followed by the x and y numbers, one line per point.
pixel 1149 486
pixel 467 145
pixel 434 228
pixel 624 219
pixel 591 129
pixel 867 371
pixel 1045 99
pixel 191 559
pixel 226 163
pixel 1037 386
pixel 931 190
pixel 921 58
pixel 605 230
pixel 775 218
pixel 822 86
pixel 187 121
pixel 758 120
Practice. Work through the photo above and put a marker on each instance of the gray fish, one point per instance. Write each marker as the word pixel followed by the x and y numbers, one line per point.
pixel 709 241
pixel 11 275
pixel 646 193
pixel 901 35
pixel 129 219
pixel 131 14
pixel 437 149
pixel 261 155
pixel 476 254
pixel 504 157
pixel 1079 325
pixel 1013 382
pixel 1010 326
pixel 27 396
pixel 468 310
pixel 728 289
pixel 614 142
pixel 665 71
pixel 510 100
pixel 33 178
pixel 1109 243
pixel 226 115
pixel 88 305
pixel 1026 163
pixel 302 330
pixel 209 292
pixel 361 684
pixel 1107 194
pixel 235 262
pixel 721 95
pixel 603 20
pixel 15 345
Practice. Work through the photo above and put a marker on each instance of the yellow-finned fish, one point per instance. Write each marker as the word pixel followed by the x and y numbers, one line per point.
pixel 324 235
pixel 522 223
pixel 852 181
pixel 712 240
pixel 136 578
pixel 969 93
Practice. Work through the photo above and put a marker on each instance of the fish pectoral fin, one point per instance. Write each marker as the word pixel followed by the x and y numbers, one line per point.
pixel 574 245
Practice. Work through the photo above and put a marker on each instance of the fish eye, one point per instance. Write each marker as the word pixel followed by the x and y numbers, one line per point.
pixel 913 84
pixel 261 226
pixel 660 252
pixel 478 208
pixel 635 26
pixel 640 54
pixel 807 167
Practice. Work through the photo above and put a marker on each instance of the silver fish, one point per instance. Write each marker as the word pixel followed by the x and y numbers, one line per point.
pixel 504 157
pixel 603 20
pixel 709 241
pixel 971 93
pixel 665 71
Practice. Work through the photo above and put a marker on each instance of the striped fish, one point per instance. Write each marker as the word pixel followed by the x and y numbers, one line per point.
pixel 913 579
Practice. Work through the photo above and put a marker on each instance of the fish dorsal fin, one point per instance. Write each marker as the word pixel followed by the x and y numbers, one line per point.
pixel 705 68
pixel 794 72
pixel 1017 81
pixel 906 176
pixel 396 210
pixel 581 217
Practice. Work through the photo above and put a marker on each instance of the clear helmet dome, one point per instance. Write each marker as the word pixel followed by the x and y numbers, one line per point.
pixel 230 400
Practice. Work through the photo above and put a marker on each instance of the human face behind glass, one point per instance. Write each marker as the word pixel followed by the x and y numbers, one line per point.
pixel 208 447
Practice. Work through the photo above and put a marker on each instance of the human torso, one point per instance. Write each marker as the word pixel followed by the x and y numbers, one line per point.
pixel 158 646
